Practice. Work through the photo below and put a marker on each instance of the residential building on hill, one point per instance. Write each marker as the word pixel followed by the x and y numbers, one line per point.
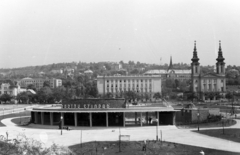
pixel 39 82
pixel 117 85
pixel 12 90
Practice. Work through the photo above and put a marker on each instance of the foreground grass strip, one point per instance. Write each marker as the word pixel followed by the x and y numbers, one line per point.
pixel 136 148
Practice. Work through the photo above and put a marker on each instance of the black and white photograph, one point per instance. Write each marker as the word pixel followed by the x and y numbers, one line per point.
pixel 119 77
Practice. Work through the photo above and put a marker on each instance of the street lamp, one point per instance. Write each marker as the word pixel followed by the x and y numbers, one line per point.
pixel 119 140
pixel 3 113
pixel 198 118
pixel 223 124
pixel 61 123
pixel 232 102
pixel 157 129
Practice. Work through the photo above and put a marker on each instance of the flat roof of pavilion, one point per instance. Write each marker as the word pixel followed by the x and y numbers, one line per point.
pixel 85 110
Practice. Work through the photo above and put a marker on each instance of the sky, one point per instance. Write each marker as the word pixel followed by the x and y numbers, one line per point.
pixel 40 32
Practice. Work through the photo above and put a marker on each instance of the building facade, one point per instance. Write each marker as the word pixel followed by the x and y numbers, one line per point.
pixel 171 73
pixel 117 85
pixel 12 90
pixel 39 82
pixel 210 86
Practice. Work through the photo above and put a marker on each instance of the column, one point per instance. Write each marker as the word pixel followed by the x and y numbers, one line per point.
pixel 106 119
pixel 36 117
pixel 174 118
pixel 147 118
pixel 75 119
pixel 62 114
pixel 51 118
pixel 135 118
pixel 123 119
pixel 90 119
pixel 42 118
pixel 141 118
pixel 158 118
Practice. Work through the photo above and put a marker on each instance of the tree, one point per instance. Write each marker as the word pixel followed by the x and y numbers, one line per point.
pixel 46 84
pixel 130 95
pixel 229 95
pixel 109 95
pixel 31 86
pixel 58 93
pixel 157 96
pixel 5 97
pixel 45 95
pixel 23 97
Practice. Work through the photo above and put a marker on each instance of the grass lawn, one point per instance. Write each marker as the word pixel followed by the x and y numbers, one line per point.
pixel 13 106
pixel 135 148
pixel 21 120
pixel 227 123
pixel 232 134
pixel 27 113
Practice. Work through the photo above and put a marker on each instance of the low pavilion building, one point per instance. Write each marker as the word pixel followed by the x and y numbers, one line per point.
pixel 103 113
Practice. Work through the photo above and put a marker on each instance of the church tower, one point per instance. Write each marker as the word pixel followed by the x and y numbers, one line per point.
pixel 220 65
pixel 170 65
pixel 195 64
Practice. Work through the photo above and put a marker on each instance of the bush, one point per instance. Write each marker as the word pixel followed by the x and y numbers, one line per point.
pixel 28 146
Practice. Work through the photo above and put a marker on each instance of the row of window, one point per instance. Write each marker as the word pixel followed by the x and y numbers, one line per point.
pixel 210 89
pixel 129 80
pixel 209 81
pixel 129 85
pixel 124 90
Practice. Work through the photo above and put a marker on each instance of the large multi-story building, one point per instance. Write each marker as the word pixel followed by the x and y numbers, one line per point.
pixel 117 85
pixel 39 82
pixel 171 73
pixel 208 86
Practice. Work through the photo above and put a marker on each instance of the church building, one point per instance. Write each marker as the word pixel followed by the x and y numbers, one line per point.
pixel 209 86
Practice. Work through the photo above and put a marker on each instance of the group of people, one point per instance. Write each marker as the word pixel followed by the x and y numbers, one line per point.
pixel 149 120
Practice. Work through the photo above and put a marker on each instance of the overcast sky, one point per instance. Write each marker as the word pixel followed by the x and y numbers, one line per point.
pixel 39 32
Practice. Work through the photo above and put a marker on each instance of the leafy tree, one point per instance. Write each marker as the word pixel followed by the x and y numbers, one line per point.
pixel 58 93
pixel 229 95
pixel 157 96
pixel 5 97
pixel 46 84
pixel 135 71
pixel 45 95
pixel 31 86
pixel 130 95
pixel 166 91
pixel 109 95
pixel 23 97
pixel 146 96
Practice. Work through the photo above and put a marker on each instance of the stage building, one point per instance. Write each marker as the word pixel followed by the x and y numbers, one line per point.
pixel 103 113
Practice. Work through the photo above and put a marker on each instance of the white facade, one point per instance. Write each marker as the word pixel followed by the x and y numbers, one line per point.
pixel 6 88
pixel 119 84
pixel 38 82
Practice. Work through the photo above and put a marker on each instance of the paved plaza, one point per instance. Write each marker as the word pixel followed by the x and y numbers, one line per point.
pixel 50 134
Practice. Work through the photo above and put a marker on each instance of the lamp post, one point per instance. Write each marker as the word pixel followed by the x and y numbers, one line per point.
pixel 119 140
pixel 232 103
pixel 223 124
pixel 157 129
pixel 198 118
pixel 61 123
pixel 3 113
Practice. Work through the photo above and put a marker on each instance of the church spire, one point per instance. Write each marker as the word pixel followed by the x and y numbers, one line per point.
pixel 195 57
pixel 170 65
pixel 220 56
